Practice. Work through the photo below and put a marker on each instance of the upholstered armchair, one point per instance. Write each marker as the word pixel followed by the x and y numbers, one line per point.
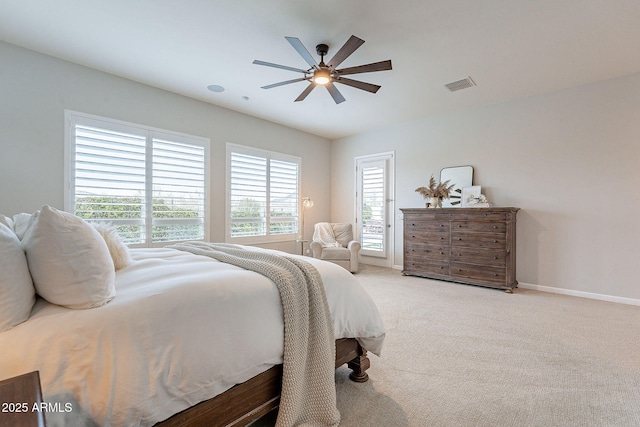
pixel 334 242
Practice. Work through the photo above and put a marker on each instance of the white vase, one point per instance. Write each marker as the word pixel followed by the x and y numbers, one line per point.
pixel 434 202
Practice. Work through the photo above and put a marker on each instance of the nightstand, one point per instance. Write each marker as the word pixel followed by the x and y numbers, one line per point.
pixel 20 401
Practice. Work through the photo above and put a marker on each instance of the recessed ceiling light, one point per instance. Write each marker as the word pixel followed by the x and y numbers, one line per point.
pixel 245 98
pixel 215 88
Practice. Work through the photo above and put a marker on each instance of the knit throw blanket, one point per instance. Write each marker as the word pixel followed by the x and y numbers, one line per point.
pixel 308 376
pixel 323 233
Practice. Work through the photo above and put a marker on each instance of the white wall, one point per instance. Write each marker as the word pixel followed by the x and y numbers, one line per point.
pixel 570 160
pixel 35 90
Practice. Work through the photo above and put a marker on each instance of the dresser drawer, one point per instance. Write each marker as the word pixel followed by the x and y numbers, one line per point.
pixel 493 257
pixel 430 251
pixel 427 226
pixel 488 274
pixel 418 265
pixel 479 227
pixel 428 237
pixel 478 240
pixel 479 214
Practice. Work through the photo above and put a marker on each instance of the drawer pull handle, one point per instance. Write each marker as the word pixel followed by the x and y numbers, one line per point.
pixel 441 253
pixel 459 254
pixel 495 226
pixel 442 238
pixel 495 257
pixel 459 238
pixel 495 241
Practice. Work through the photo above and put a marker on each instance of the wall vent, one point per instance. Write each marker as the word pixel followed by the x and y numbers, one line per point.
pixel 460 84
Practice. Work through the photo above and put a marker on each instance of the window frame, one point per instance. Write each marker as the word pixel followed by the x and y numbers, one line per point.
pixel 269 155
pixel 73 118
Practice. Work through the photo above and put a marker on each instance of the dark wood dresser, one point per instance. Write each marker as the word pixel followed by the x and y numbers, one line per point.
pixel 476 246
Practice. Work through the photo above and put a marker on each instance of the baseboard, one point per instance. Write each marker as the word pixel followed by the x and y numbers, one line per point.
pixel 581 294
pixel 562 291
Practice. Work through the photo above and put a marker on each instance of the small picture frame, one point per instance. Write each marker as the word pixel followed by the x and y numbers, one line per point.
pixel 470 196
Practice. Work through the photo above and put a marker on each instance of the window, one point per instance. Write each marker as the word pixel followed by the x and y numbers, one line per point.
pixel 149 183
pixel 263 190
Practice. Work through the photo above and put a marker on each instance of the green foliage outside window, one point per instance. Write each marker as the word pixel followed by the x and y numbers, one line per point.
pixel 105 208
pixel 366 212
pixel 251 210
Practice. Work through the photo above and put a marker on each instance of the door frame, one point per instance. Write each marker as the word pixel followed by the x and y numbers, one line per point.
pixel 390 158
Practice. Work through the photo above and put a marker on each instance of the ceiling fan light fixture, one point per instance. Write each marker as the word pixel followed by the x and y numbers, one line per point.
pixel 321 76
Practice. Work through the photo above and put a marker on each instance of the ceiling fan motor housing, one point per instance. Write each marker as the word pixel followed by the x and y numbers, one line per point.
pixel 322 49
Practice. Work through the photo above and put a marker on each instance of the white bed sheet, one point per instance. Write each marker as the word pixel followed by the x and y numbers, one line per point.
pixel 181 329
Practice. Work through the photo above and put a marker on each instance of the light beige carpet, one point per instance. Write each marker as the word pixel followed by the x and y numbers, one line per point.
pixel 459 355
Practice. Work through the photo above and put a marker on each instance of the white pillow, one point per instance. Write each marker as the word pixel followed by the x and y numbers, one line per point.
pixel 17 295
pixel 69 260
pixel 21 222
pixel 118 250
pixel 8 222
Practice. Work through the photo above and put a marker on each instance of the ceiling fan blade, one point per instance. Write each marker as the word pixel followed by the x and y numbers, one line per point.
pixel 284 67
pixel 284 83
pixel 335 93
pixel 299 47
pixel 367 68
pixel 305 92
pixel 358 84
pixel 347 49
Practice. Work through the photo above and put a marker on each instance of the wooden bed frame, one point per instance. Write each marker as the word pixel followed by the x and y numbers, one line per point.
pixel 260 395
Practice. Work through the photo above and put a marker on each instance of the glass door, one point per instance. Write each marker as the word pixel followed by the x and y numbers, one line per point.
pixel 372 196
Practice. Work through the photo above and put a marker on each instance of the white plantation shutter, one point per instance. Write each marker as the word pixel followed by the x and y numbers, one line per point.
pixel 283 195
pixel 373 215
pixel 110 170
pixel 150 184
pixel 248 195
pixel 263 190
pixel 178 210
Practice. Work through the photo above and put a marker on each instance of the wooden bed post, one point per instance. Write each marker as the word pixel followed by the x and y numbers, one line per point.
pixel 349 351
pixel 359 365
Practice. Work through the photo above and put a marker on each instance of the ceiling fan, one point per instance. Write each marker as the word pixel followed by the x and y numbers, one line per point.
pixel 327 74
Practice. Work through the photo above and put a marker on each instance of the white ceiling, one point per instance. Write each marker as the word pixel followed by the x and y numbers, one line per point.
pixel 511 49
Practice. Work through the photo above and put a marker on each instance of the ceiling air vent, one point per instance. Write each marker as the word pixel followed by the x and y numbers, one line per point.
pixel 460 84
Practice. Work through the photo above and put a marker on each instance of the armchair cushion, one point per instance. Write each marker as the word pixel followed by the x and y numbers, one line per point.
pixel 336 253
pixel 342 234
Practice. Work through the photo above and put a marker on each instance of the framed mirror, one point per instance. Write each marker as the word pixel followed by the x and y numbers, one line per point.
pixel 460 177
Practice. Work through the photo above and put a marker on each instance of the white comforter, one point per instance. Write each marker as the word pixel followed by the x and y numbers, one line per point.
pixel 182 329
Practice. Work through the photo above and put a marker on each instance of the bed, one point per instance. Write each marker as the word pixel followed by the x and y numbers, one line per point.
pixel 186 340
